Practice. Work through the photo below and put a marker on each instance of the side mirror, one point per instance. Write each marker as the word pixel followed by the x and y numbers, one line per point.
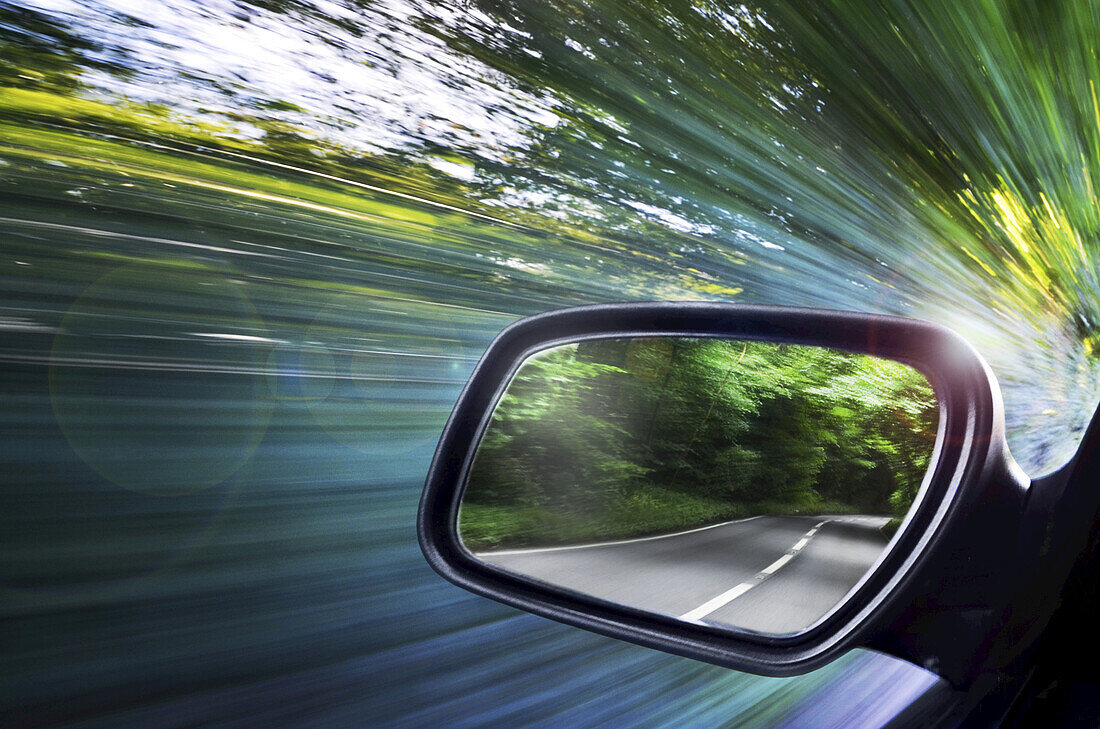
pixel 756 487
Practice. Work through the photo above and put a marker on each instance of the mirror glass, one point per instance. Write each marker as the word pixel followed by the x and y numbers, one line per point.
pixel 740 483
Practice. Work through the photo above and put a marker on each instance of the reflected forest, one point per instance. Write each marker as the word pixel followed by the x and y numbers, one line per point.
pixel 619 438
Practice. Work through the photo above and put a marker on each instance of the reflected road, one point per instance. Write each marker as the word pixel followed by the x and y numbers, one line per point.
pixel 773 574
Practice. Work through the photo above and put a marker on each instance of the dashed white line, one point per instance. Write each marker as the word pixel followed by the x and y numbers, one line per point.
pixel 711 605
pixel 732 594
pixel 777 564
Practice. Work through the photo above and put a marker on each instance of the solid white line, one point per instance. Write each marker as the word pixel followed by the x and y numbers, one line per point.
pixel 711 605
pixel 771 569
pixel 536 550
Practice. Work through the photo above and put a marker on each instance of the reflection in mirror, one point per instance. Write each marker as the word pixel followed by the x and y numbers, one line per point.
pixel 748 484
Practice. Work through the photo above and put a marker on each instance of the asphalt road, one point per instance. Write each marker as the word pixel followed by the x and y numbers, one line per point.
pixel 773 574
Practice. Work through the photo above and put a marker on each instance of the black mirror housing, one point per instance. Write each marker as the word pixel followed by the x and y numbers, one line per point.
pixel 973 486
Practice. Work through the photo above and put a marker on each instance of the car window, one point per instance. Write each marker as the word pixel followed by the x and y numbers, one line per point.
pixel 252 251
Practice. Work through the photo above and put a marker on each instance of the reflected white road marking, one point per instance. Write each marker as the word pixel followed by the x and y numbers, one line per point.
pixel 711 605
pixel 771 569
pixel 732 594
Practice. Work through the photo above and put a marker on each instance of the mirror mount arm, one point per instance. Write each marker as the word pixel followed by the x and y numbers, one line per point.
pixel 953 622
pixel 992 616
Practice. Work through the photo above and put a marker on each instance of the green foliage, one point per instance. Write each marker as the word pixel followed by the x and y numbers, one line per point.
pixel 621 437
pixel 37 51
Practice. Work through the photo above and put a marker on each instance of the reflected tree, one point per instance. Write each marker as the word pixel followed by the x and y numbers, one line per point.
pixel 623 437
